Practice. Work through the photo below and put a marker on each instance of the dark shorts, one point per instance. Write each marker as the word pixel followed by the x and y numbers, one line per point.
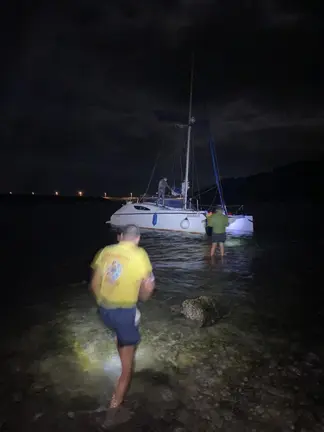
pixel 219 238
pixel 122 322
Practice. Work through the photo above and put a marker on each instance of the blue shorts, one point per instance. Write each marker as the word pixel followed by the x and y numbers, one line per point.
pixel 122 322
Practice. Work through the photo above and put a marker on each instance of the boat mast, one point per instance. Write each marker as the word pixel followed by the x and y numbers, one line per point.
pixel 191 121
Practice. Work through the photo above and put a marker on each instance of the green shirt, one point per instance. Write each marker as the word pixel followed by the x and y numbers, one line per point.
pixel 219 223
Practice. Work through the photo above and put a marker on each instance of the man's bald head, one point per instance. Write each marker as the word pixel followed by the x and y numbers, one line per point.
pixel 131 233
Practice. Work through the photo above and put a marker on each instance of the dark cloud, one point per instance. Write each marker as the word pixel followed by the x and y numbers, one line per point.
pixel 84 82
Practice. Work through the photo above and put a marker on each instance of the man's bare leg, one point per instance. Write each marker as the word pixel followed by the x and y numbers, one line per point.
pixel 213 249
pixel 127 355
pixel 222 250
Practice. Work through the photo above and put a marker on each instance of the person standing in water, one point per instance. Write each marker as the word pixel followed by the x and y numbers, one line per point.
pixel 122 274
pixel 218 222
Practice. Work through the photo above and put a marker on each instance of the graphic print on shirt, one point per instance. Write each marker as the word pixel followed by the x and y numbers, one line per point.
pixel 114 271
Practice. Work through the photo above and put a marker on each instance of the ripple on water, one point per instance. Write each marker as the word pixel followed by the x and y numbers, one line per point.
pixel 187 270
pixel 182 372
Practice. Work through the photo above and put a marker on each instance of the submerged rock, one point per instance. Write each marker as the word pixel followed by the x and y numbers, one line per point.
pixel 205 311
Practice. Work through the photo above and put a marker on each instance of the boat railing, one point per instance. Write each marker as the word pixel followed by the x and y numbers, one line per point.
pixel 233 209
pixel 236 209
pixel 193 204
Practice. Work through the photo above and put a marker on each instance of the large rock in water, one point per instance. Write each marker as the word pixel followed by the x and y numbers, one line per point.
pixel 205 311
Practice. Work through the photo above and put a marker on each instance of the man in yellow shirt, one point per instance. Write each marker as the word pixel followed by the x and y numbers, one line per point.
pixel 122 274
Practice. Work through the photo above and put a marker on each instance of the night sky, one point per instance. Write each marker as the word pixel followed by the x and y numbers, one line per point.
pixel 85 81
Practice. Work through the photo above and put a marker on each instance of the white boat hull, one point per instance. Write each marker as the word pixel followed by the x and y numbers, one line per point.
pixel 158 218
pixel 151 216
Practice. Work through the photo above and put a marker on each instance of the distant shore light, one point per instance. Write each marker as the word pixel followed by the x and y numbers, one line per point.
pixel 56 193
pixel 10 193
pixel 80 193
pixel 105 194
pixel 33 193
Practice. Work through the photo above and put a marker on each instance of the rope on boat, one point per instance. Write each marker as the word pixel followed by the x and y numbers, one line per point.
pixel 216 173
pixel 152 173
pixel 195 172
pixel 208 190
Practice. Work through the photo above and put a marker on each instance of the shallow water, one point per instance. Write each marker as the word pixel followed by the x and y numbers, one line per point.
pixel 259 368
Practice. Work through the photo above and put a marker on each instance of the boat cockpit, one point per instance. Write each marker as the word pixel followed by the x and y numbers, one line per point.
pixel 171 202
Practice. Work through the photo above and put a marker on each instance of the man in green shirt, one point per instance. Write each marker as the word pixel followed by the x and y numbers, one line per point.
pixel 218 221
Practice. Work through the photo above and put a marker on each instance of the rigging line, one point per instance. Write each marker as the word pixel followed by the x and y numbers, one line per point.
pixel 216 186
pixel 212 203
pixel 168 160
pixel 180 158
pixel 216 173
pixel 152 173
pixel 173 168
pixel 220 183
pixel 208 190
pixel 196 170
pixel 192 168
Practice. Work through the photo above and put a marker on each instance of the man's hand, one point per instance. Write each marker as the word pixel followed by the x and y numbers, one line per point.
pixel 147 287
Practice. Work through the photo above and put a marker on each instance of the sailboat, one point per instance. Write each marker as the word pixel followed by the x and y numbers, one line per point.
pixel 176 214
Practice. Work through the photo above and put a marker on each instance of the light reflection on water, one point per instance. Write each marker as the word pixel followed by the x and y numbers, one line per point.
pixel 53 350
pixel 183 269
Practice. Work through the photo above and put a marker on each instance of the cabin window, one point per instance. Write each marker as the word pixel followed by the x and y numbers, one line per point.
pixel 141 208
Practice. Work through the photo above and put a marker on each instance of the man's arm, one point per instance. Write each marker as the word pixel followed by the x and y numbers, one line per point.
pixel 147 287
pixel 147 281
pixel 95 283
pixel 96 277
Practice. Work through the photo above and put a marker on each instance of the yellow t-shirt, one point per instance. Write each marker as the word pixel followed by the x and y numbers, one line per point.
pixel 123 267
